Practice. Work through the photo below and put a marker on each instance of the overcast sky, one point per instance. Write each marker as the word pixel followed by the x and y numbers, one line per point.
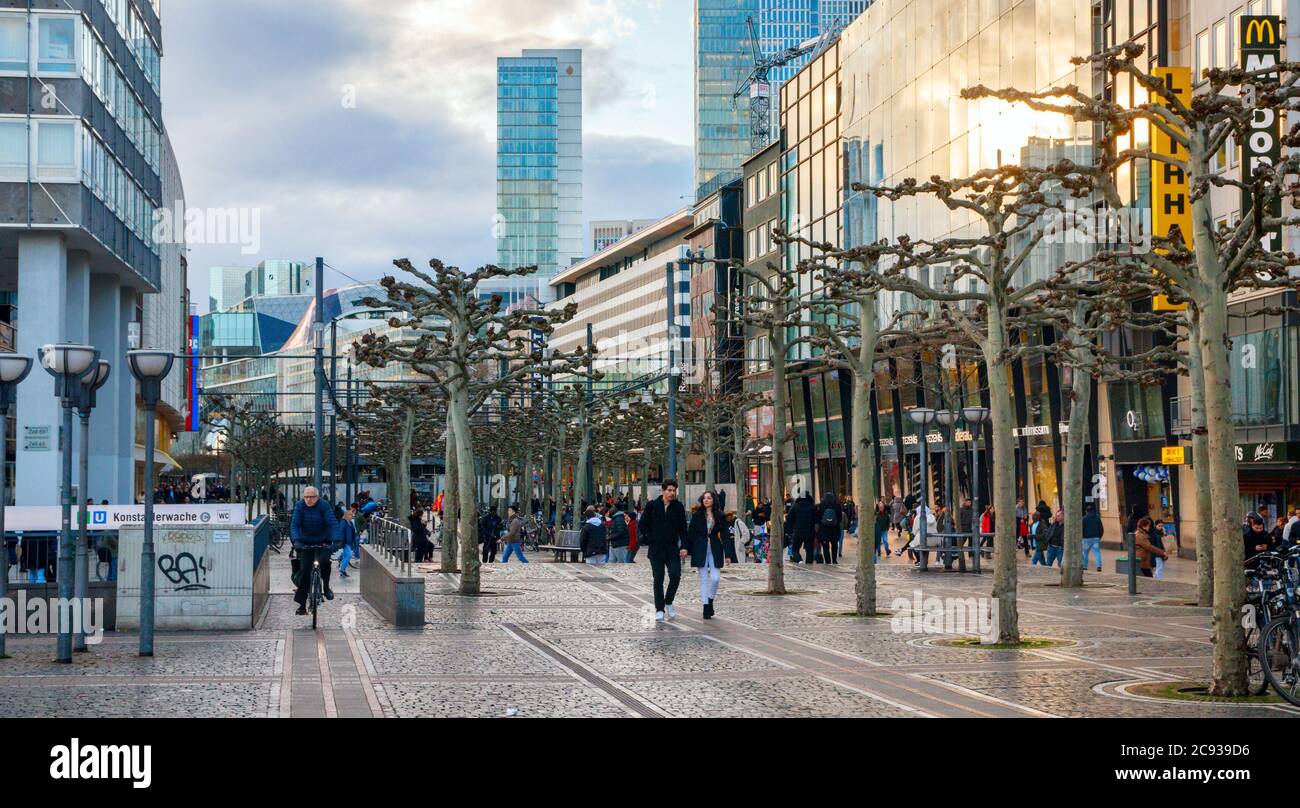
pixel 256 98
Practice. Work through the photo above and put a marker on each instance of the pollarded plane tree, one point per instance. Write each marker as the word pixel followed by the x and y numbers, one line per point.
pixel 1090 306
pixel 1235 106
pixel 473 347
pixel 715 417
pixel 245 429
pixel 845 326
pixel 1004 206
pixel 395 423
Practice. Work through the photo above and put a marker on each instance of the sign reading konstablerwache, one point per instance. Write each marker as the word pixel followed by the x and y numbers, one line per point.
pixel 1261 48
pixel 113 517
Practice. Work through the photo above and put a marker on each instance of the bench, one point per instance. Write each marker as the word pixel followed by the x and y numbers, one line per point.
pixel 567 542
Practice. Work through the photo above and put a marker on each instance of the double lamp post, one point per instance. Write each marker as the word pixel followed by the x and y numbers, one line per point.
pixel 78 374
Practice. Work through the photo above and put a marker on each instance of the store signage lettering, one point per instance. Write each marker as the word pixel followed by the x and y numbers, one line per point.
pixel 1170 195
pixel 1173 456
pixel 1261 41
pixel 1264 452
pixel 1032 431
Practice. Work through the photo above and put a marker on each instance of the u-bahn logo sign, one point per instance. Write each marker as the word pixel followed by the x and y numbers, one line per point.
pixel 1261 48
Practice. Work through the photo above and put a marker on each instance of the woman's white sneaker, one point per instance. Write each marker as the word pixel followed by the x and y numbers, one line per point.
pixel 659 617
pixel 672 613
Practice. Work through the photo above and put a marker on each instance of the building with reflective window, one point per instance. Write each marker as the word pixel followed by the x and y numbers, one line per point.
pixel 725 56
pixel 539 169
pixel 81 177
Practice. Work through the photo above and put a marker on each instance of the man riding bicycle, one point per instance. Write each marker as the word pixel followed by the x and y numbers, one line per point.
pixel 313 530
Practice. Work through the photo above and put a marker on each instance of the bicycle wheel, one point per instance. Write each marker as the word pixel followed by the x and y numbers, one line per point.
pixel 1278 658
pixel 315 596
pixel 1255 679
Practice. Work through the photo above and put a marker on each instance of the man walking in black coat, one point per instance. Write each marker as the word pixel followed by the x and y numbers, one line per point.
pixel 803 519
pixel 662 530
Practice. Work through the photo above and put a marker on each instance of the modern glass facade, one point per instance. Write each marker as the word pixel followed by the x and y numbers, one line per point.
pixel 724 56
pixel 539 168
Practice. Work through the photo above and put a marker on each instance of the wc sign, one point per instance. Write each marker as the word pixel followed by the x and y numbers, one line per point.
pixel 1261 48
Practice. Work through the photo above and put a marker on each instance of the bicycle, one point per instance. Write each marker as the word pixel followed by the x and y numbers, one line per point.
pixel 316 590
pixel 1274 655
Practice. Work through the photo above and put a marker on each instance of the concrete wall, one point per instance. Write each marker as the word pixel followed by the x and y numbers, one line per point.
pixel 398 599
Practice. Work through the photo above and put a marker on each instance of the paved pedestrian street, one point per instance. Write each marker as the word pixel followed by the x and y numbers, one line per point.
pixel 565 640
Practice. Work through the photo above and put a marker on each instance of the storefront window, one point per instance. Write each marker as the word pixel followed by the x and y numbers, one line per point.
pixel 1257 378
pixel 1136 412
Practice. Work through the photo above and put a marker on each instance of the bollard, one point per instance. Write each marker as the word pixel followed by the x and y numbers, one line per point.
pixel 1132 564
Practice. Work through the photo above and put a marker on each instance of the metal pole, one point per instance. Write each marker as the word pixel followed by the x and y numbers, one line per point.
pixel 320 373
pixel 925 495
pixel 671 465
pixel 348 459
pixel 334 435
pixel 1132 564
pixel 590 493
pixel 83 551
pixel 148 560
pixel 977 533
pixel 66 550
pixel 4 501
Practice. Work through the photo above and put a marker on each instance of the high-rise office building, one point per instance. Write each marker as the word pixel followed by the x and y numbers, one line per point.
pixel 724 57
pixel 539 168
pixel 84 186
pixel 226 287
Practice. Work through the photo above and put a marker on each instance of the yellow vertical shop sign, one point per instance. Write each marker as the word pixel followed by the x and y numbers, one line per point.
pixel 1171 198
pixel 1173 455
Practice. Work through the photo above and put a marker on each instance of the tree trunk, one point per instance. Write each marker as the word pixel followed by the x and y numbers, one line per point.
pixel 1201 469
pixel 710 459
pixel 1004 478
pixel 458 410
pixel 645 481
pixel 864 458
pixel 1074 485
pixel 582 485
pixel 1221 452
pixel 450 511
pixel 776 525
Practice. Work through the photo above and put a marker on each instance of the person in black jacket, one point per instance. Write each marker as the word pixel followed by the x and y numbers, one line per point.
pixel 1093 531
pixel 803 526
pixel 489 530
pixel 662 530
pixel 595 537
pixel 830 515
pixel 709 546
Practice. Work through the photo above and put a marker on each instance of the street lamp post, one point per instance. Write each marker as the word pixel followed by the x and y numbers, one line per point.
pixel 149 368
pixel 13 369
pixel 948 419
pixel 975 418
pixel 94 379
pixel 923 417
pixel 67 364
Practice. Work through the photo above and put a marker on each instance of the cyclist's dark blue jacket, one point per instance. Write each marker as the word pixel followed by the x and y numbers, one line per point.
pixel 313 526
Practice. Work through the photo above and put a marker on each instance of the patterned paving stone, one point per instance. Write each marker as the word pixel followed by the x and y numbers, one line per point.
pixel 629 656
pixel 793 697
pixel 493 699
pixel 1070 694
pixel 498 655
pixel 1140 649
pixel 234 658
pixel 895 649
pixel 132 700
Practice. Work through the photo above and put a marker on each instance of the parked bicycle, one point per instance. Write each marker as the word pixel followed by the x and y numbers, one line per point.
pixel 536 534
pixel 1278 646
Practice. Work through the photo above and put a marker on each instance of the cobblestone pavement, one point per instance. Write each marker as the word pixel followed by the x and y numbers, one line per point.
pixel 573 640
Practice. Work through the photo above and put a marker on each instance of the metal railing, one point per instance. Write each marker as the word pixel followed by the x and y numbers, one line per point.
pixel 392 542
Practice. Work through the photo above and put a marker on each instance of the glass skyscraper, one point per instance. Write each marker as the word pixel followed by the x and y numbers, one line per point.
pixel 539 168
pixel 724 56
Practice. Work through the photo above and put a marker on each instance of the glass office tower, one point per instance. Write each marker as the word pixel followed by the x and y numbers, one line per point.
pixel 539 168
pixel 724 57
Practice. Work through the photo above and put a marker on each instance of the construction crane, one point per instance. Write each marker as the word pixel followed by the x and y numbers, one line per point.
pixel 758 86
